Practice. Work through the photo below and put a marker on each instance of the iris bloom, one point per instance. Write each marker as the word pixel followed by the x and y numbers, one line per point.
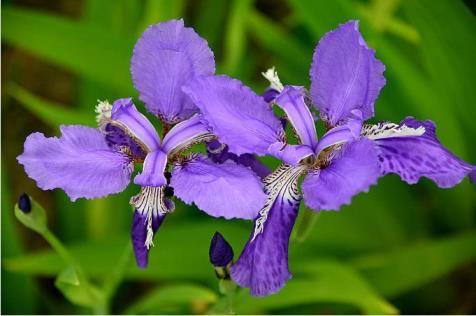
pixel 90 162
pixel 351 156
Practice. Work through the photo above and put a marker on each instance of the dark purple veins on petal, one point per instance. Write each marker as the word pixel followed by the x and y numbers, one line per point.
pixel 413 157
pixel 117 138
pixel 263 264
pixel 139 235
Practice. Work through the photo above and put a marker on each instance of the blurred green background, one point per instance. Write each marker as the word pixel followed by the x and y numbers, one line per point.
pixel 397 249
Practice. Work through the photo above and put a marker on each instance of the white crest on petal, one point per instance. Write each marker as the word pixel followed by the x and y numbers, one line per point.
pixel 151 202
pixel 272 76
pixel 103 110
pixel 282 183
pixel 388 130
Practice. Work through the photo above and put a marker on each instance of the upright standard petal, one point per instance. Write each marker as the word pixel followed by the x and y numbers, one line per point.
pixel 263 264
pixel 80 162
pixel 165 57
pixel 345 75
pixel 291 100
pixel 185 134
pixel 139 235
pixel 126 116
pixel 235 114
pixel 228 189
pixel 412 150
pixel 352 170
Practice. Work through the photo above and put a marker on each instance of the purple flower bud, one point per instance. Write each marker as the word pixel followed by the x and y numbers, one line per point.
pixel 24 203
pixel 221 253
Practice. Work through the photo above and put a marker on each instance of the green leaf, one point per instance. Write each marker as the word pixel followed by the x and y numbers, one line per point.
pixel 156 11
pixel 97 257
pixel 321 16
pixel 295 57
pixel 324 281
pixel 120 15
pixel 209 22
pixel 13 285
pixel 399 271
pixel 448 50
pixel 172 295
pixel 408 268
pixel 35 219
pixel 84 48
pixel 52 113
pixel 305 223
pixel 235 36
pixel 75 291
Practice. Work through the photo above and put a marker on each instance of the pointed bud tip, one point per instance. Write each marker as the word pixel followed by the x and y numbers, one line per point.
pixel 221 253
pixel 24 203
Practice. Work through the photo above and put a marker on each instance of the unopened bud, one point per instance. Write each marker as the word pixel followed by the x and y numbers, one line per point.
pixel 221 256
pixel 24 203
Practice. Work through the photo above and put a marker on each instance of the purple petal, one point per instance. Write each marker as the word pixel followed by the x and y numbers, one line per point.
pixel 153 170
pixel 345 75
pixel 185 134
pixel 250 161
pixel 219 153
pixel 290 154
pixel 263 264
pixel 165 57
pixel 353 170
pixel 270 94
pixel 347 132
pixel 139 236
pixel 117 138
pixel 240 118
pixel 126 116
pixel 80 162
pixel 291 100
pixel 412 157
pixel 226 189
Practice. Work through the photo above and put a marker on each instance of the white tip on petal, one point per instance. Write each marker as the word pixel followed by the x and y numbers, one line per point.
pixel 103 110
pixel 272 76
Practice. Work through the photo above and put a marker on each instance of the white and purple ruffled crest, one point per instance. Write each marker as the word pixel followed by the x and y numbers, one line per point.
pixel 351 156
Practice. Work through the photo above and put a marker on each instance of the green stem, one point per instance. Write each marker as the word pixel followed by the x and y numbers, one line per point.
pixel 101 306
pixel 225 305
pixel 306 224
pixel 112 282
pixel 230 297
pixel 61 250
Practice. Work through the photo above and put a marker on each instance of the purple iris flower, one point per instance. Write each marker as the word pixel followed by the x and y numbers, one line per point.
pixel 351 156
pixel 90 162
